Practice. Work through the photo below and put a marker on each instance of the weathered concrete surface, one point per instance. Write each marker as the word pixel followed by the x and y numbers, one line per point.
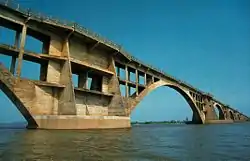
pixel 219 121
pixel 81 52
pixel 96 99
pixel 82 122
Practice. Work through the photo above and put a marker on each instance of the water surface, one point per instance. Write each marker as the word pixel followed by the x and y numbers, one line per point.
pixel 227 142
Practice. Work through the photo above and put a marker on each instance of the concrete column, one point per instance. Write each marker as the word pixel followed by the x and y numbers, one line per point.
pixel 66 100
pixel 13 64
pixel 43 71
pixel 96 84
pixel 21 51
pixel 149 80
pixel 137 77
pixel 209 109
pixel 128 75
pixel 153 79
pixel 83 80
pixel 126 84
pixel 225 114
pixel 46 45
pixel 137 81
pixel 195 118
pixel 105 83
pixel 13 58
pixel 145 79
pixel 118 72
pixel 87 81
pixel 17 37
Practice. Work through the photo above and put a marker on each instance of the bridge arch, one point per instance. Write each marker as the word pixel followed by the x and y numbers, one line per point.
pixel 219 113
pixel 198 116
pixel 7 89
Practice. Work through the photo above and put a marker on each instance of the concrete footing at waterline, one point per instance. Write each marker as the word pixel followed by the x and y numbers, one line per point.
pixel 70 122
pixel 219 121
pixel 80 122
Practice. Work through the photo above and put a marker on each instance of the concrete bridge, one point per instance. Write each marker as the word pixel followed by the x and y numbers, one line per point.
pixel 102 68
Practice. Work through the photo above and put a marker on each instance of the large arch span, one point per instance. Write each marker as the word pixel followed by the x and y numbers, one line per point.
pixel 219 112
pixel 198 117
pixel 7 82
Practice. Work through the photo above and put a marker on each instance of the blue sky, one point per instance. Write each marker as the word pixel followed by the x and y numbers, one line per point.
pixel 205 43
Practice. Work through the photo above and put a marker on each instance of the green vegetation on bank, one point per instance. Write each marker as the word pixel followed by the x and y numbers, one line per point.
pixel 160 122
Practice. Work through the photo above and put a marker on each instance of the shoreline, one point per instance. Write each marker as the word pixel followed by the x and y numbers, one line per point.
pixel 159 122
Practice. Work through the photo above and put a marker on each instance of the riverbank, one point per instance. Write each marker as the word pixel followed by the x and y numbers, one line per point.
pixel 160 122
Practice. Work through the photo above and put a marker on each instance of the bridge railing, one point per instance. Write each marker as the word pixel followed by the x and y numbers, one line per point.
pixel 44 18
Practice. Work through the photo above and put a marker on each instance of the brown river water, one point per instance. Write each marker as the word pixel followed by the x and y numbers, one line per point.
pixel 160 142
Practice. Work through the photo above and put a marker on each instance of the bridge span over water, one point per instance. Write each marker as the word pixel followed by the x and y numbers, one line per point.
pixel 97 101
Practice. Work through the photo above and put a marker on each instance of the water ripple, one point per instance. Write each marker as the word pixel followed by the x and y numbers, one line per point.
pixel 142 143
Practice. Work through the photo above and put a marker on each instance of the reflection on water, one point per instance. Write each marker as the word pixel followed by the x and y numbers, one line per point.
pixel 143 142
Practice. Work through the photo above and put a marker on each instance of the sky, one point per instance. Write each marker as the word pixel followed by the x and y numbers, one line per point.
pixel 205 43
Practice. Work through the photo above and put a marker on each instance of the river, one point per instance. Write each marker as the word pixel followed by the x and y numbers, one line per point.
pixel 160 142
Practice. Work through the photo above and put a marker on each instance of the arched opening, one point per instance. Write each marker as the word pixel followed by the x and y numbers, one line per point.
pixel 10 116
pixel 32 68
pixel 166 104
pixel 14 100
pixel 231 115
pixel 219 112
pixel 6 83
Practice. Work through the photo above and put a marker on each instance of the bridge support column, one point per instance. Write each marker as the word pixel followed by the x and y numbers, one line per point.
pixel 46 46
pixel 13 64
pixel 43 71
pixel 149 80
pixel 126 84
pixel 129 90
pixel 196 118
pixel 209 110
pixel 118 72
pixel 21 51
pixel 67 97
pixel 210 114
pixel 228 115
pixel 17 38
pixel 83 80
pixel 96 84
pixel 13 58
pixel 137 82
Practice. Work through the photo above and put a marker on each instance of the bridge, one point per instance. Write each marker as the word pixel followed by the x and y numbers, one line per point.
pixel 110 81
